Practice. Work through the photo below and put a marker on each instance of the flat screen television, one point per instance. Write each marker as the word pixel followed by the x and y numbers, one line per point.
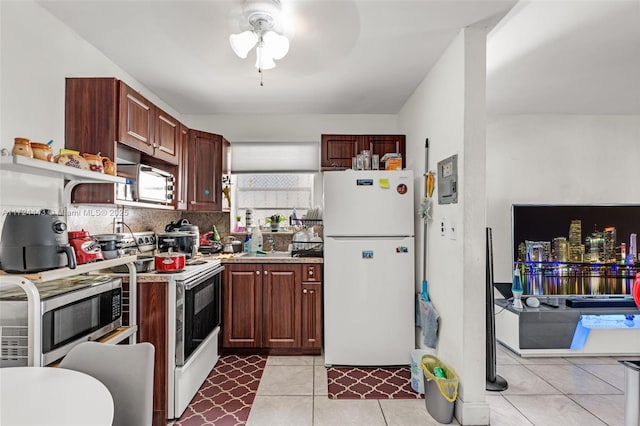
pixel 576 249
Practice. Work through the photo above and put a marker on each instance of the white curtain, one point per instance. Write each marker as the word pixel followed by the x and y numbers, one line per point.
pixel 275 157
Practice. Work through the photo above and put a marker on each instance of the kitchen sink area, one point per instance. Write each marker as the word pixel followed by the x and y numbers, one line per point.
pixel 266 254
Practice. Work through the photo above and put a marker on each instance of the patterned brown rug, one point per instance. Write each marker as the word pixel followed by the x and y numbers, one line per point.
pixel 225 398
pixel 370 383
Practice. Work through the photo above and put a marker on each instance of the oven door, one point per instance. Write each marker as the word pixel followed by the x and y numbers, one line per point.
pixel 198 312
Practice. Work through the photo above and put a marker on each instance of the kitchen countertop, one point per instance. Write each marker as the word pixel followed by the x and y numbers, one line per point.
pixel 212 260
pixel 188 272
pixel 278 257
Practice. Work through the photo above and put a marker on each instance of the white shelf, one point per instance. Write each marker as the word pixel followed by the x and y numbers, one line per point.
pixel 55 274
pixel 22 164
pixel 119 335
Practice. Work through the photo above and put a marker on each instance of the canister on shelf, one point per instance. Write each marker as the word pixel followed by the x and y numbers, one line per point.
pixel 22 146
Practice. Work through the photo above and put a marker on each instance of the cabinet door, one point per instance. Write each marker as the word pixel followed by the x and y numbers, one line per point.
pixel 312 272
pixel 311 315
pixel 136 120
pixel 281 305
pixel 205 171
pixel 337 151
pixel 91 125
pixel 382 144
pixel 242 297
pixel 183 169
pixel 152 311
pixel 166 140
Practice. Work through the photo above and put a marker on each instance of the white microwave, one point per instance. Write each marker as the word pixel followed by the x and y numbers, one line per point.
pixel 145 184
pixel 74 310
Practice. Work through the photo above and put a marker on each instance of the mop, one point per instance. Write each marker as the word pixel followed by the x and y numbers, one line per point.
pixel 425 213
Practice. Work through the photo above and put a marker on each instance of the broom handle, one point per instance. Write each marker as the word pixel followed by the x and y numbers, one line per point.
pixel 424 238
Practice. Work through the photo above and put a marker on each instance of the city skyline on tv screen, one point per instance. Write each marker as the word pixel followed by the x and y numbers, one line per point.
pixel 597 255
pixel 544 223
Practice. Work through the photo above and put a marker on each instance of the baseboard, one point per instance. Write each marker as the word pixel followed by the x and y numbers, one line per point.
pixel 472 413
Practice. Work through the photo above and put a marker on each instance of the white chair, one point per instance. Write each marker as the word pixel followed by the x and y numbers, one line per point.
pixel 126 370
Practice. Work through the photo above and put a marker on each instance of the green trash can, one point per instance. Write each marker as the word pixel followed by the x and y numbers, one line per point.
pixel 440 393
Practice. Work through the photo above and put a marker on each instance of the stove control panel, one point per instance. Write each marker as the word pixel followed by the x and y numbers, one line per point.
pixel 145 241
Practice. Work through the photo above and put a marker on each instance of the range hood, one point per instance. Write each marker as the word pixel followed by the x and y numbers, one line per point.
pixel 275 157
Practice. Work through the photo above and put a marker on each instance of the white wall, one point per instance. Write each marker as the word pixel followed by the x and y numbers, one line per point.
pixel 38 52
pixel 35 60
pixel 557 159
pixel 448 108
pixel 290 127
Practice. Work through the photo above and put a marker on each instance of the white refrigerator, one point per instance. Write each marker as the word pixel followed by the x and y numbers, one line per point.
pixel 369 272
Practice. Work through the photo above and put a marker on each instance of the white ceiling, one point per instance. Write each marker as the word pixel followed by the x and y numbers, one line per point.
pixel 368 56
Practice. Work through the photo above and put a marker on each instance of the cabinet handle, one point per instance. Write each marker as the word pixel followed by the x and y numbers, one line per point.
pixel 304 290
pixel 311 291
pixel 265 272
pixel 257 272
pixel 311 272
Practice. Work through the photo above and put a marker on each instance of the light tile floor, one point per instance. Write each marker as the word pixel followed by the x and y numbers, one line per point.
pixel 542 392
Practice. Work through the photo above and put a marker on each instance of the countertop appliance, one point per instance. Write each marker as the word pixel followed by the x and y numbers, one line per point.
pixel 86 248
pixel 145 183
pixel 369 267
pixel 74 310
pixel 35 243
pixel 180 236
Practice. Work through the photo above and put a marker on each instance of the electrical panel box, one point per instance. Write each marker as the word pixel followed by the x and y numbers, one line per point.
pixel 448 180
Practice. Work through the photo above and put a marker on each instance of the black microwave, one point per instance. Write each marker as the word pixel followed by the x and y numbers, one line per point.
pixel 74 310
pixel 145 184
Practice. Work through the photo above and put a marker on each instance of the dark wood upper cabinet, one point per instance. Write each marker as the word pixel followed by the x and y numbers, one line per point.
pixel 338 150
pixel 104 115
pixel 204 184
pixel 136 120
pixel 383 144
pixel 167 137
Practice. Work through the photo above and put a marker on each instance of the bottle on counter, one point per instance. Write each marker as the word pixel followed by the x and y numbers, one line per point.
pixel 256 239
pixel 247 243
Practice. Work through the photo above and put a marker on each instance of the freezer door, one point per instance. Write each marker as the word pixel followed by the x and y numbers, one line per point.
pixel 368 203
pixel 369 301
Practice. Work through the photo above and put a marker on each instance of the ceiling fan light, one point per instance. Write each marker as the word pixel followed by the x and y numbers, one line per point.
pixel 278 45
pixel 242 43
pixel 264 61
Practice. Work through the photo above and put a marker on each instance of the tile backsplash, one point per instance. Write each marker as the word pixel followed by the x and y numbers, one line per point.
pixel 100 219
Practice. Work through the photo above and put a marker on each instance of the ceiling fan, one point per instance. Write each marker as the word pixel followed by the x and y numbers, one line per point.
pixel 263 25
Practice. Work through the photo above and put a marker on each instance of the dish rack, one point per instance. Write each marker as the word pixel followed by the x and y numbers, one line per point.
pixel 307 248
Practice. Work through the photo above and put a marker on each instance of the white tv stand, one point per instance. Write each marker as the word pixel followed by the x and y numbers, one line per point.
pixel 564 331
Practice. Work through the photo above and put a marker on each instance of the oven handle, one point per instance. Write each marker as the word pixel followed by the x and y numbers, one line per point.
pixel 197 282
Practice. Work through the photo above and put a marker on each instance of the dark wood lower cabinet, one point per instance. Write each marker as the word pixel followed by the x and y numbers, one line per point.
pixel 152 313
pixel 269 307
pixel 241 306
pixel 311 315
